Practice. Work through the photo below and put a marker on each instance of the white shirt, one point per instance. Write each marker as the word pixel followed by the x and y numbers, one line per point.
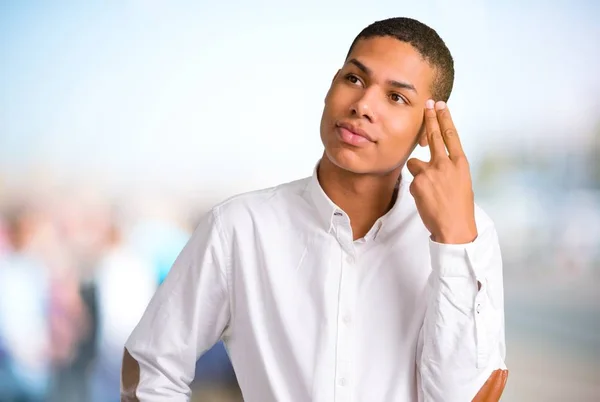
pixel 308 314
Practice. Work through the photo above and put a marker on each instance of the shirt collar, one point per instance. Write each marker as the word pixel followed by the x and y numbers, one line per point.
pixel 326 209
pixel 323 204
pixel 403 205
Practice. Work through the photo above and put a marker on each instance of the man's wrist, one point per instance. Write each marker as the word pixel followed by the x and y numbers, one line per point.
pixel 464 234
pixel 455 238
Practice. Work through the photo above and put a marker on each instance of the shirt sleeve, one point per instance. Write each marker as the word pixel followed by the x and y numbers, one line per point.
pixel 462 338
pixel 188 314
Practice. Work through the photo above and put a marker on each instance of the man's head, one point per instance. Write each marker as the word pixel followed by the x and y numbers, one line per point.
pixel 20 225
pixel 392 68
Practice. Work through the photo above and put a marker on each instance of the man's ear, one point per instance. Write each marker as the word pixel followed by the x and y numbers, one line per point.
pixel 332 81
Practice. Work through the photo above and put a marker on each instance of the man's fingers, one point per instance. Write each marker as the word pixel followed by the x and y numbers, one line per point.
pixel 448 130
pixel 498 387
pixel 434 135
pixel 416 166
pixel 493 387
pixel 484 391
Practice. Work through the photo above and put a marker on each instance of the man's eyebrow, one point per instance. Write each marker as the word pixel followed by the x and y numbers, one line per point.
pixel 394 83
pixel 360 66
pixel 403 85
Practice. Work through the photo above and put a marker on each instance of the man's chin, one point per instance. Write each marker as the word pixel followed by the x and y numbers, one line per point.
pixel 348 161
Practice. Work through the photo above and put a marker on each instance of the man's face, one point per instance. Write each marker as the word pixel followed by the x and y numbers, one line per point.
pixel 373 111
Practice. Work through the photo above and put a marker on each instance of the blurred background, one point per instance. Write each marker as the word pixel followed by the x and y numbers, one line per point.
pixel 122 122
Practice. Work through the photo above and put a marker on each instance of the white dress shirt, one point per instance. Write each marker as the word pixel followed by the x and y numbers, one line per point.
pixel 308 314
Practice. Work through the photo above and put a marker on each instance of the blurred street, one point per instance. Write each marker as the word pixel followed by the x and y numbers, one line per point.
pixel 553 342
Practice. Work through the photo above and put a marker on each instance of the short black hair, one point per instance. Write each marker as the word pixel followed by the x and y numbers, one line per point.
pixel 425 40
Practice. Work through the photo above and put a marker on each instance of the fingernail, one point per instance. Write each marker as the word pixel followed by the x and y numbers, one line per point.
pixel 429 104
pixel 441 105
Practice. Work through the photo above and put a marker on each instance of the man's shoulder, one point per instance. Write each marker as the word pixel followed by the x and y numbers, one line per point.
pixel 280 196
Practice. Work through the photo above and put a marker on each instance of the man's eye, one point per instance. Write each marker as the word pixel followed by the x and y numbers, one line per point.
pixel 353 79
pixel 397 98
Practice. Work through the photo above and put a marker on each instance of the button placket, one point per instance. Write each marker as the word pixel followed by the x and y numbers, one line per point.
pixel 345 331
pixel 343 231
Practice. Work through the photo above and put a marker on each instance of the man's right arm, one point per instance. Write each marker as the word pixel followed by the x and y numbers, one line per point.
pixel 186 317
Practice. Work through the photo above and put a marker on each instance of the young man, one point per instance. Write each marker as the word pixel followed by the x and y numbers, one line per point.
pixel 358 283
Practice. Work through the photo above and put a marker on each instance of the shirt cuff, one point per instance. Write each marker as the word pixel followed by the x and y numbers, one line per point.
pixel 451 260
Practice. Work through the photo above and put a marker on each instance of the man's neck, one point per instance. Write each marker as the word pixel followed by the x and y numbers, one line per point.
pixel 364 197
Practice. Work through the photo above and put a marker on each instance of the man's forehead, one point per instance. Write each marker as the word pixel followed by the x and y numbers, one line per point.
pixel 388 50
pixel 389 56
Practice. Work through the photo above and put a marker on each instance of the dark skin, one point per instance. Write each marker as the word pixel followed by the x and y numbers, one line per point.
pixel 383 92
pixel 382 89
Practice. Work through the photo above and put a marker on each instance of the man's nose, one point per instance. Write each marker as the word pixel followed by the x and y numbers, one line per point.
pixel 364 106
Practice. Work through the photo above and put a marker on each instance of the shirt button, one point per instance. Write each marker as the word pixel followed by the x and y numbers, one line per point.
pixel 342 382
pixel 478 309
pixel 347 319
pixel 350 259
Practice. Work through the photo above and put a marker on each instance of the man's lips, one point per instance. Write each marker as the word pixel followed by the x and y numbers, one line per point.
pixel 354 129
pixel 353 135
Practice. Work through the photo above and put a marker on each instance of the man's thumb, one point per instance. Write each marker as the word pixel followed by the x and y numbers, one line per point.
pixel 415 166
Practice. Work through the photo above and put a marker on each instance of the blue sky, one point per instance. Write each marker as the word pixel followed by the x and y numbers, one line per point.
pixel 172 90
